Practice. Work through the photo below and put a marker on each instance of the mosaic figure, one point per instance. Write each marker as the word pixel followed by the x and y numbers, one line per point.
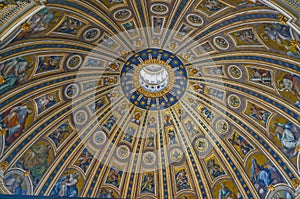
pixel 46 101
pixel 15 184
pixel 211 6
pixel 84 160
pixel 36 160
pixel 215 70
pixel 60 134
pixel 172 136
pixel 264 175
pixel 13 122
pixel 225 193
pixel 148 184
pixel 214 168
pixel 158 24
pixel 182 181
pixel 107 193
pixel 97 105
pixel 150 141
pixel 66 186
pixel 246 37
pixel 291 83
pixel 259 114
pixel 207 113
pixel 261 76
pixel 130 132
pixel 191 128
pixel 110 123
pixel 184 30
pixel 42 21
pixel 114 176
pixel 13 73
pixel 279 37
pixel 70 26
pixel 107 42
pixel 288 135
pixel 242 146
pixel 48 64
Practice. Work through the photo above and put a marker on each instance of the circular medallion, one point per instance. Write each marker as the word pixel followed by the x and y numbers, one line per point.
pixel 222 126
pixel 71 91
pixel 234 101
pixel 201 144
pixel 194 20
pixel 92 34
pixel 74 62
pixel 81 117
pixel 123 152
pixel 159 9
pixel 221 43
pixel 149 158
pixel 122 15
pixel 154 79
pixel 235 72
pixel 99 138
pixel 176 155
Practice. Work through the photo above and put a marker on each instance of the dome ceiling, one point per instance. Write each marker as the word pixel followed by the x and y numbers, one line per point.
pixel 150 99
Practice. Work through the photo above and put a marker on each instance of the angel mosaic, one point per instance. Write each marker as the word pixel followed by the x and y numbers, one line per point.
pixel 182 181
pixel 148 183
pixel 70 26
pixel 60 134
pixel 114 176
pixel 242 146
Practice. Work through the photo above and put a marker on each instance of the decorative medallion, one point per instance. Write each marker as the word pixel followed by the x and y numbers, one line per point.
pixel 234 101
pixel 235 72
pixel 201 144
pixel 71 91
pixel 176 155
pixel 194 20
pixel 80 117
pixel 149 158
pixel 122 15
pixel 222 126
pixel 74 62
pixel 92 34
pixel 99 138
pixel 221 43
pixel 123 152
pixel 159 9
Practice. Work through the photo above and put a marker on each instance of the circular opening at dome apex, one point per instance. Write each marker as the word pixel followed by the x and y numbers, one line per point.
pixel 154 77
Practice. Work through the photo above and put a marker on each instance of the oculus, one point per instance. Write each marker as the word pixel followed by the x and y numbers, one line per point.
pixel 154 79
